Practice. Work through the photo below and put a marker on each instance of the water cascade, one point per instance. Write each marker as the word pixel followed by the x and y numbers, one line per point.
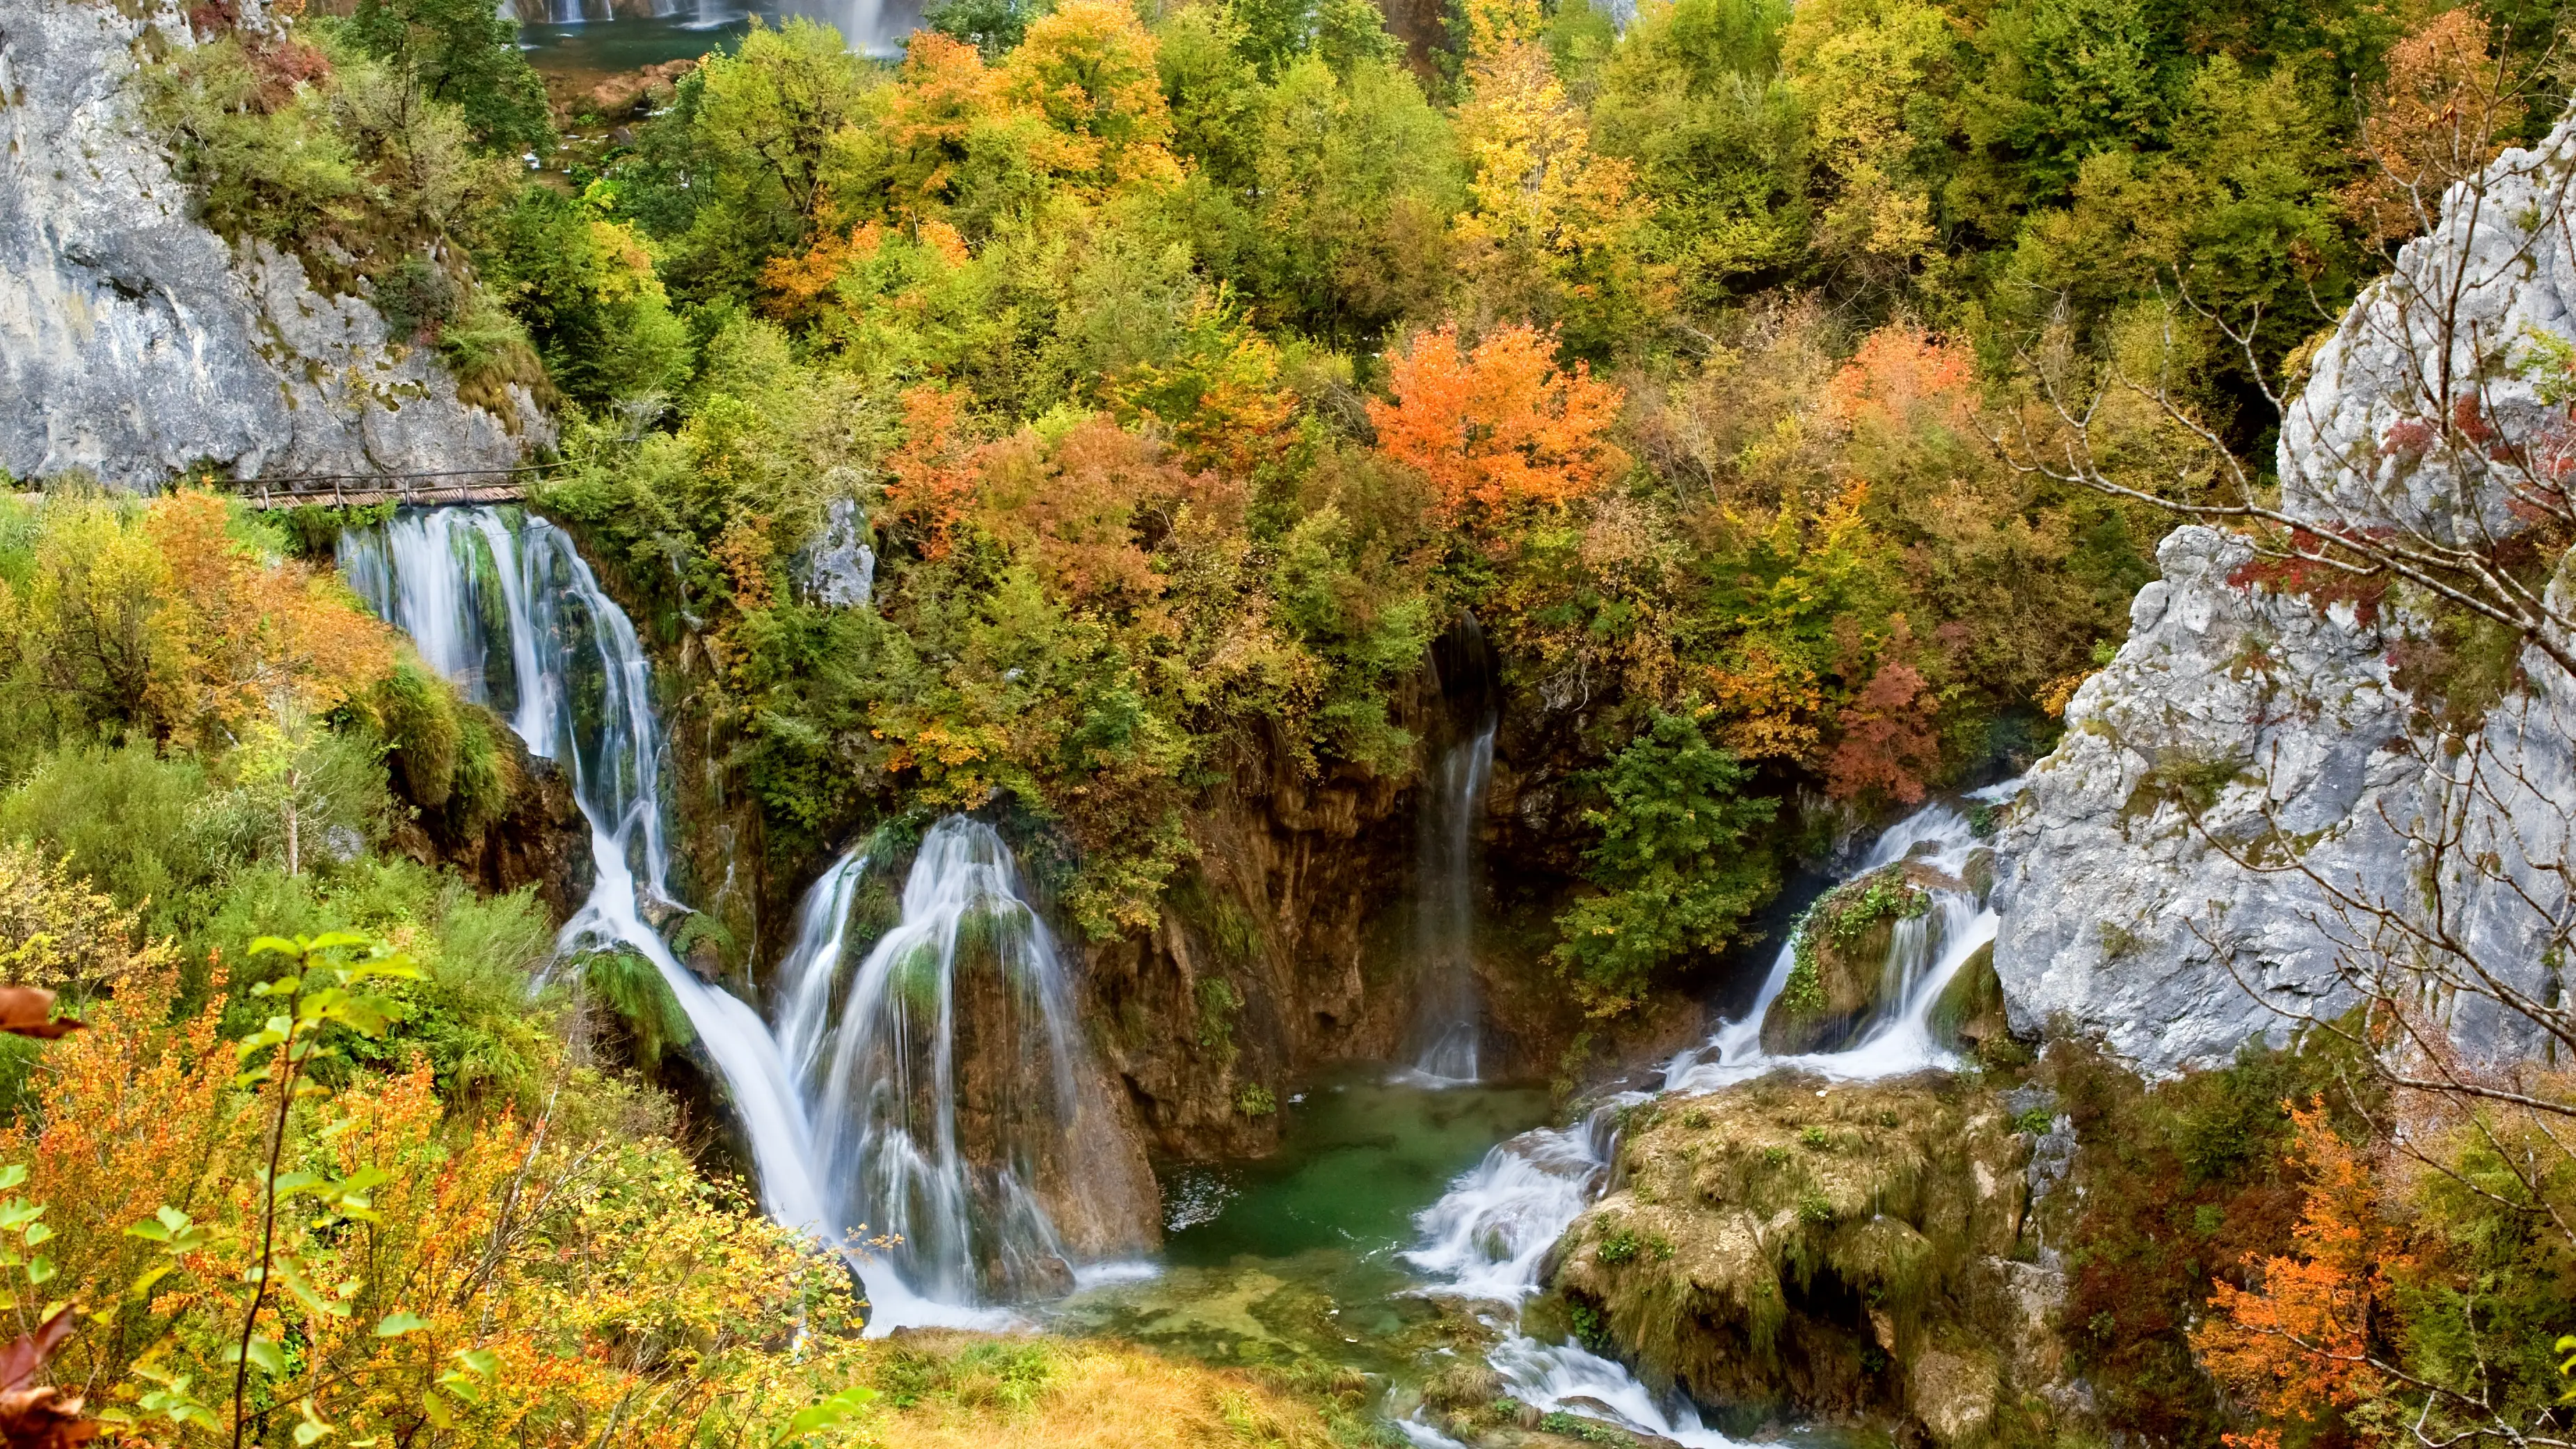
pixel 952 1101
pixel 945 1102
pixel 508 610
pixel 1449 1032
pixel 1487 1240
pixel 872 27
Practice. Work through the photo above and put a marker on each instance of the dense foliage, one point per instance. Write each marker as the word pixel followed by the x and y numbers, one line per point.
pixel 1192 367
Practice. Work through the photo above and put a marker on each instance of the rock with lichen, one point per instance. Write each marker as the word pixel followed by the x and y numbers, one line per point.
pixel 1848 1250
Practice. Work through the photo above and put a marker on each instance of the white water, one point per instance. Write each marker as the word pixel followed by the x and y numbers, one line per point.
pixel 1451 1033
pixel 1488 1238
pixel 882 1078
pixel 872 27
pixel 472 586
pixel 510 611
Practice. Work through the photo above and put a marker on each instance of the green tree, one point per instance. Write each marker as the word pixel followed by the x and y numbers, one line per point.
pixel 1675 864
pixel 462 52
pixel 1694 98
pixel 585 287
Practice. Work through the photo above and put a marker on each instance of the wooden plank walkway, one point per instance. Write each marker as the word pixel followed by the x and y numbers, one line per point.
pixel 360 490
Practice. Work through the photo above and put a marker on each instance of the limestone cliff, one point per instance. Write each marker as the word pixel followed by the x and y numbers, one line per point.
pixel 2148 900
pixel 134 342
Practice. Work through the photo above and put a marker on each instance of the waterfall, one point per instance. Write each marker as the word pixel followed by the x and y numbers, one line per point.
pixel 943 1107
pixel 950 1095
pixel 1488 1238
pixel 1924 952
pixel 871 27
pixel 508 609
pixel 1448 1032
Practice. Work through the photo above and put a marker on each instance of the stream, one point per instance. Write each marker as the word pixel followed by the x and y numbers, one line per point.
pixel 922 1073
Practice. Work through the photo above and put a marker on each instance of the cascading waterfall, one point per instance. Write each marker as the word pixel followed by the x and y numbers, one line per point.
pixel 1448 1033
pixel 505 606
pixel 1451 1032
pixel 1487 1239
pixel 948 1088
pixel 873 27
pixel 507 609
pixel 1924 952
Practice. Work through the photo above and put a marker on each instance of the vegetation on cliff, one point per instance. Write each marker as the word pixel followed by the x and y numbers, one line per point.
pixel 1193 366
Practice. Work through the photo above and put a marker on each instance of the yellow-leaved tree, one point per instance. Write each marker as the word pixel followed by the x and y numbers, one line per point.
pixel 1554 232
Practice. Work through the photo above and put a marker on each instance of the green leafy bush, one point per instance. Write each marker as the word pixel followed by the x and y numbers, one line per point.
pixel 1676 863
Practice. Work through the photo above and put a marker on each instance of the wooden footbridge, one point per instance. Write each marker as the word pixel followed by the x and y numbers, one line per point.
pixel 360 490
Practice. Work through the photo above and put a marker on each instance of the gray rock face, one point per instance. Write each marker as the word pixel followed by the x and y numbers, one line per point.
pixel 135 342
pixel 2148 900
pixel 840 569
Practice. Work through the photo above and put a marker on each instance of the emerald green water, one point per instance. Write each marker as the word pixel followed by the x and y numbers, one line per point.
pixel 1296 1255
pixel 607 47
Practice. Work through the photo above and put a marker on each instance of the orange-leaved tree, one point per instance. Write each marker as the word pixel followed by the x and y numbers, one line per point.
pixel 235 633
pixel 1499 426
pixel 2435 121
pixel 309 1251
pixel 2302 1347
pixel 934 471
pixel 1901 375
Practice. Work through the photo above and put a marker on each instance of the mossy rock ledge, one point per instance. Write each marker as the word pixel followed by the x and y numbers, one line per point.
pixel 1853 1252
pixel 1841 982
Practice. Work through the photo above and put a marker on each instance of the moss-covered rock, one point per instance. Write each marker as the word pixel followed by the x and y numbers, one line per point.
pixel 1823 1249
pixel 1841 981
pixel 1968 1016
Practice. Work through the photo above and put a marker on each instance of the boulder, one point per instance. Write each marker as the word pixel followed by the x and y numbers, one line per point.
pixel 1823 1249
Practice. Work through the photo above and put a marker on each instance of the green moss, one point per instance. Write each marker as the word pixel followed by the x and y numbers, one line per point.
pixel 633 991
pixel 2191 781
pixel 1218 1003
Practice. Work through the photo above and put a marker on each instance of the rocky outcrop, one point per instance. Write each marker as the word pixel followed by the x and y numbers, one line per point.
pixel 1843 978
pixel 1271 958
pixel 1833 1249
pixel 134 342
pixel 539 839
pixel 2243 791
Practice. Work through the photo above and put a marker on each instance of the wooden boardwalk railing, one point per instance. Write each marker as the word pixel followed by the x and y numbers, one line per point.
pixel 358 490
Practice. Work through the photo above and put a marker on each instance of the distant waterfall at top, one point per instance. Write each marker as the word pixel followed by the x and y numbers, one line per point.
pixel 874 27
pixel 952 1101
pixel 946 1089
pixel 1489 1238
pixel 1448 1033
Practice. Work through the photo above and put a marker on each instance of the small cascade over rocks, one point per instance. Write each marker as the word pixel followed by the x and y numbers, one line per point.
pixel 1490 1238
pixel 954 1106
pixel 1449 1031
pixel 952 1103
pixel 1936 855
